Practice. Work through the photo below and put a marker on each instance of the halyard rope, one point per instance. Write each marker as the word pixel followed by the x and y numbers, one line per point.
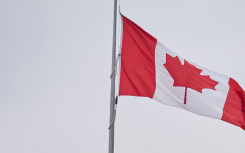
pixel 115 67
pixel 114 118
pixel 115 113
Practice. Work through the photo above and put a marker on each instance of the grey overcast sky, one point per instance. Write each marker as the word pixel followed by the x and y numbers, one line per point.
pixel 55 62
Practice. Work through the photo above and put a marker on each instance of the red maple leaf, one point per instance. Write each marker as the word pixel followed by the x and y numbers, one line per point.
pixel 188 75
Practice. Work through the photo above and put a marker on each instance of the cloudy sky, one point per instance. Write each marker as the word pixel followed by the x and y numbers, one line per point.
pixel 55 62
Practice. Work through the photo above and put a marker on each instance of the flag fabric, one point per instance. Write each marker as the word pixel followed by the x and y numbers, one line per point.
pixel 149 69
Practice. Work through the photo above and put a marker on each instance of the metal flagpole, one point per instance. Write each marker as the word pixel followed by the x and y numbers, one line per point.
pixel 112 99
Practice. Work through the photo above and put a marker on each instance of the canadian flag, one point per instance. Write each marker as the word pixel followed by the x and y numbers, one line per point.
pixel 149 69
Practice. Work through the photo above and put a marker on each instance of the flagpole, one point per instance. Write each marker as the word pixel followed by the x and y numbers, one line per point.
pixel 112 98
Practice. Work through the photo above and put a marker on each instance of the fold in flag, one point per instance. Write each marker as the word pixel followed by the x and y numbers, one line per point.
pixel 149 69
